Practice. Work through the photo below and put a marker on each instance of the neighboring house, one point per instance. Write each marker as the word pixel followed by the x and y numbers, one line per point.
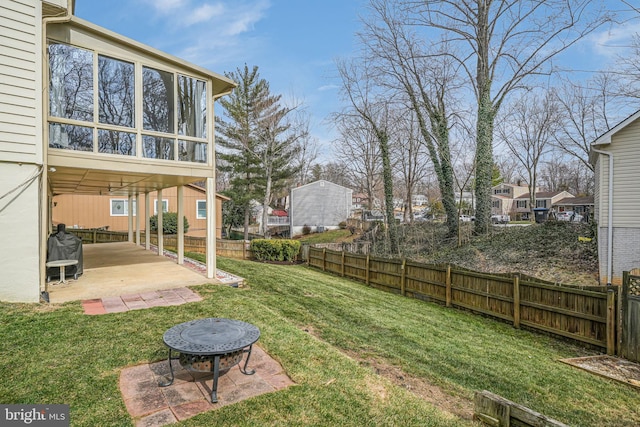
pixel 503 196
pixel 359 201
pixel 112 212
pixel 57 137
pixel 320 205
pixel 544 199
pixel 419 200
pixel 580 205
pixel 615 157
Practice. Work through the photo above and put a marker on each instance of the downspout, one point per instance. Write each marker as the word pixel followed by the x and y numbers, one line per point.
pixel 45 220
pixel 609 216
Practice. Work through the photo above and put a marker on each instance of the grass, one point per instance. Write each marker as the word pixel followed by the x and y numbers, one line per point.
pixel 309 321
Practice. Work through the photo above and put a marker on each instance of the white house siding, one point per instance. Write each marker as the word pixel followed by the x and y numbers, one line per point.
pixel 21 155
pixel 626 203
pixel 20 81
pixel 320 203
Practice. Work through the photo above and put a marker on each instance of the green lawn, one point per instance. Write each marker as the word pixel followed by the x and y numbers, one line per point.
pixel 308 322
pixel 329 236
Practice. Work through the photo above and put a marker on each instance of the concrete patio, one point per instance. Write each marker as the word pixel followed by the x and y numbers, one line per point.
pixel 114 269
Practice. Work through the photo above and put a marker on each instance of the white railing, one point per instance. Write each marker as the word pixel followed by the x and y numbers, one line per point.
pixel 278 220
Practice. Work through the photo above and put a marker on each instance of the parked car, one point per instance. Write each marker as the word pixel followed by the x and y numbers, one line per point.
pixel 467 218
pixel 500 219
pixel 569 216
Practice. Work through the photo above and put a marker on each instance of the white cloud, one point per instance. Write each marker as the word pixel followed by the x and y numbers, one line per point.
pixel 204 13
pixel 613 41
pixel 244 17
pixel 167 6
pixel 327 87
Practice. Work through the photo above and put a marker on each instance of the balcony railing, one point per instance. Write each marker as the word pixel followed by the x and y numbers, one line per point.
pixel 277 220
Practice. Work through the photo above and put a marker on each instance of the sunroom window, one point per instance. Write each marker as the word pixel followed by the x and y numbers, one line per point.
pixel 93 107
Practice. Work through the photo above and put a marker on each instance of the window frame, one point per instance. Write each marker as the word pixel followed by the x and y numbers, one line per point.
pixel 155 206
pixel 125 208
pixel 198 216
pixel 97 50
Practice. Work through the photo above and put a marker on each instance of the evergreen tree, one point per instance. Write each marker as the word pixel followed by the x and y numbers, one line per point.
pixel 258 146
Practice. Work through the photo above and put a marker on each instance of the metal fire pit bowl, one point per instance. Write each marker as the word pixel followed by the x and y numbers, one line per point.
pixel 211 345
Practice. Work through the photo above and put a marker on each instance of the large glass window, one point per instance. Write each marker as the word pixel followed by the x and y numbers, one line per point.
pixel 114 142
pixel 116 87
pixel 191 151
pixel 71 82
pixel 192 107
pixel 157 100
pixel 85 84
pixel 154 147
pixel 70 137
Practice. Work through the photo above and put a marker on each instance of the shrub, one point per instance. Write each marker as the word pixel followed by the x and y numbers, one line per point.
pixel 169 223
pixel 275 249
pixel 306 229
pixel 343 225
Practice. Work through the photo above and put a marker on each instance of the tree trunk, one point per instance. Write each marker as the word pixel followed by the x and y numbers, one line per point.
pixel 383 138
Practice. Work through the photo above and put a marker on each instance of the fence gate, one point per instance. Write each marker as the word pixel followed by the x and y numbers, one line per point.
pixel 631 317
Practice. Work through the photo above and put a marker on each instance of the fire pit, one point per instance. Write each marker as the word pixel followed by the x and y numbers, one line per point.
pixel 211 345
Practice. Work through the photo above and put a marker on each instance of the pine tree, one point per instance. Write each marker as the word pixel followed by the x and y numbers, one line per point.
pixel 258 146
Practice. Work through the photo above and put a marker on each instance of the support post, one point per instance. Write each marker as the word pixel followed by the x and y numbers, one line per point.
pixel 448 287
pixel 611 322
pixel 367 273
pixel 324 259
pixel 137 219
pixel 159 223
pixel 180 219
pixel 516 302
pixel 147 221
pixel 403 278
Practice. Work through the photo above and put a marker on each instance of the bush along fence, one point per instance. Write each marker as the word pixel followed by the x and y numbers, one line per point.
pixel 584 315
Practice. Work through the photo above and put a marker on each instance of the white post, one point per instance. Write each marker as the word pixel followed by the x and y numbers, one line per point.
pixel 130 218
pixel 138 219
pixel 211 228
pixel 147 222
pixel 160 229
pixel 180 240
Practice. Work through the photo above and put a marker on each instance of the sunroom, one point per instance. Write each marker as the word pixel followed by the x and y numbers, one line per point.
pixel 124 119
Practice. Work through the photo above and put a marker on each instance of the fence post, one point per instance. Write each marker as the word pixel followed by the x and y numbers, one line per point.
pixel 95 235
pixel 611 322
pixel 343 262
pixel 367 273
pixel 447 283
pixel 403 280
pixel 244 249
pixel 324 259
pixel 516 302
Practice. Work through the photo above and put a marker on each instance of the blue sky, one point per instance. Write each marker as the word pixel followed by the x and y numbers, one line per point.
pixel 293 42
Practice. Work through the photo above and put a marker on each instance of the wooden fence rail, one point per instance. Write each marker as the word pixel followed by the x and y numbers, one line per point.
pixel 227 248
pixel 584 315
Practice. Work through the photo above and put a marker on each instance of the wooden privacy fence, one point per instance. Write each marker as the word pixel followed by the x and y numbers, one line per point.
pixel 227 248
pixel 587 316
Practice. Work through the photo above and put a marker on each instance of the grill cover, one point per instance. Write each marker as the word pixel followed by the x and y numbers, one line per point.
pixel 63 245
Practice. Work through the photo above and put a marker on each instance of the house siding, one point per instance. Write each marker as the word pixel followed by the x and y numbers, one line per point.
pixel 321 203
pixel 21 155
pixel 20 100
pixel 92 211
pixel 626 194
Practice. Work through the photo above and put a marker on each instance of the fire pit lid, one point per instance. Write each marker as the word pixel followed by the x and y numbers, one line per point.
pixel 211 336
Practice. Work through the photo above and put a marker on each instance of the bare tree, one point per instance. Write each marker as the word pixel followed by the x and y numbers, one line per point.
pixel 527 129
pixel 585 111
pixel 373 109
pixel 405 63
pixel 359 152
pixel 506 42
pixel 409 160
